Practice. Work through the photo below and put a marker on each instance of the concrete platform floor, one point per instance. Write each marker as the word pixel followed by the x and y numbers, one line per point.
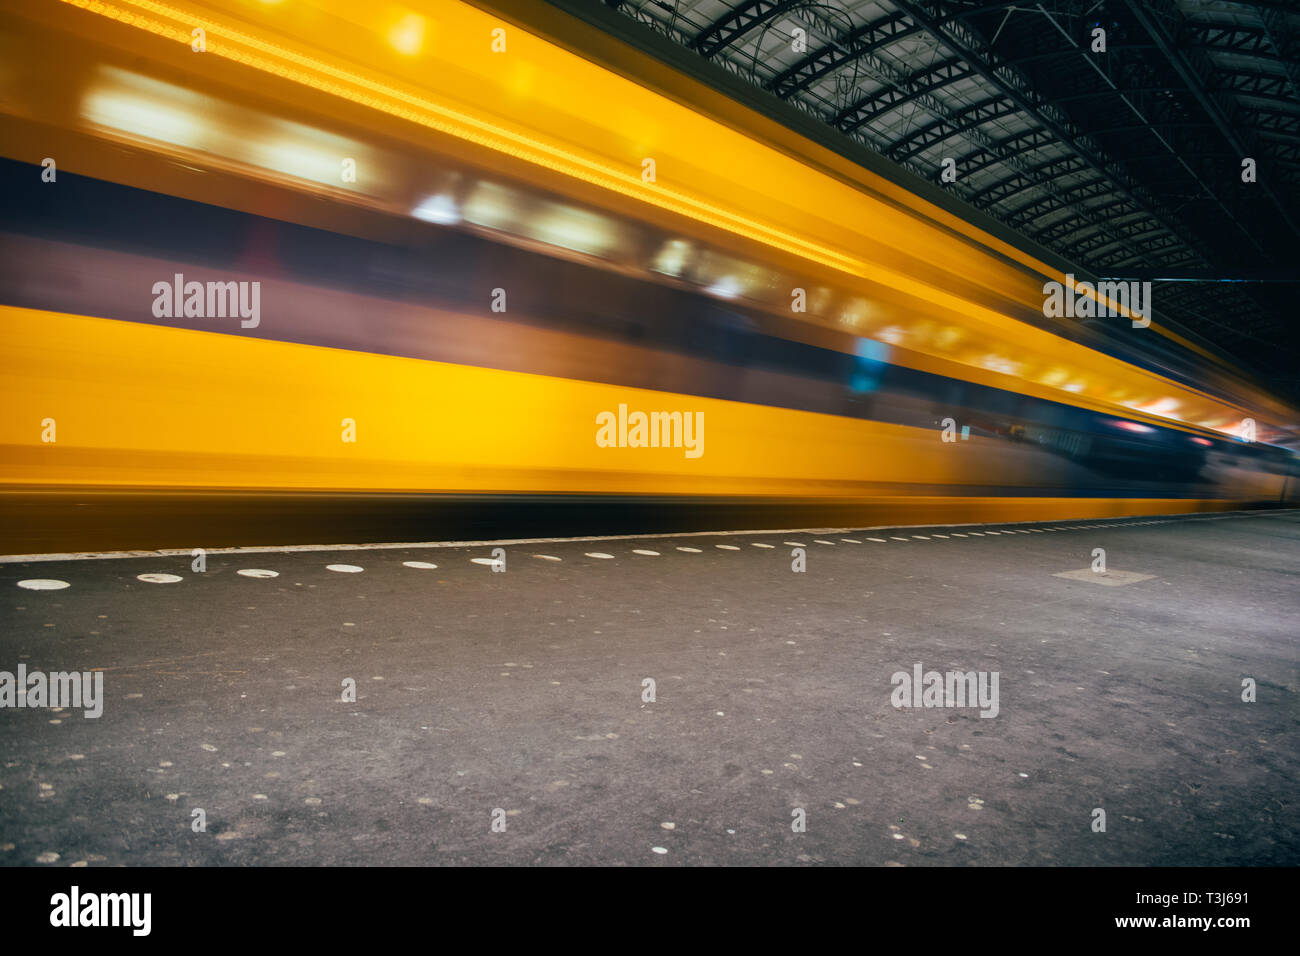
pixel 522 692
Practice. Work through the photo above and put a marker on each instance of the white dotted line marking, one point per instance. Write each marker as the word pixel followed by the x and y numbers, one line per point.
pixel 759 544
pixel 258 573
pixel 547 557
pixel 420 565
pixel 648 553
pixel 344 568
pixel 600 554
pixel 159 578
pixel 691 550
pixel 43 584
pixel 727 547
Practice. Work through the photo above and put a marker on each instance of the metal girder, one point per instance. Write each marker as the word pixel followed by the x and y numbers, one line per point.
pixel 942 129
pixel 1285 154
pixel 1045 204
pixel 881 101
pixel 992 69
pixel 1091 247
pixel 1279 122
pixel 1281 38
pixel 1231 38
pixel 1055 230
pixel 997 152
pixel 1193 73
pixel 1273 86
pixel 995 192
pixel 832 56
pixel 737 22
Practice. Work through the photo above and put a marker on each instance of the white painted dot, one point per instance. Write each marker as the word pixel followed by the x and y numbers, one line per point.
pixel 258 573
pixel 691 550
pixel 977 534
pixel 43 584
pixel 659 849
pixel 759 544
pixel 668 826
pixel 956 535
pixel 158 578
pixel 821 541
pixel 600 554
pixel 795 544
pixel 487 562
pixel 646 552
pixel 878 540
pixel 344 568
pixel 851 540
pixel 920 537
pixel 420 565
pixel 944 536
pixel 547 557
pixel 893 538
pixel 727 547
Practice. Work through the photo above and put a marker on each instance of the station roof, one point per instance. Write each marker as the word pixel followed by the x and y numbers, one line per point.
pixel 1128 162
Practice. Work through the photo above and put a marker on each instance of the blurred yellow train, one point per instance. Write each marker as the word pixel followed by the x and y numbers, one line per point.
pixel 340 248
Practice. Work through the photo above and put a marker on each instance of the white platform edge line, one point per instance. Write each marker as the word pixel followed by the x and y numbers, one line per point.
pixel 396 546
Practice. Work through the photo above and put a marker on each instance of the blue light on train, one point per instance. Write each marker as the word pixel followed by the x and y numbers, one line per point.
pixel 869 360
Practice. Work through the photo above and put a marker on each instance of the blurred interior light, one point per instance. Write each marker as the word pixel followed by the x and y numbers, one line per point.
pixel 672 258
pixel 438 209
pixel 854 312
pixel 1164 407
pixel 493 206
pixel 145 107
pixel 297 159
pixel 1136 427
pixel 996 363
pixel 407 34
pixel 728 287
pixel 576 229
pixel 1202 441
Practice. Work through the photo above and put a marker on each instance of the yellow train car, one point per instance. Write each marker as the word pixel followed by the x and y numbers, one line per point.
pixel 415 258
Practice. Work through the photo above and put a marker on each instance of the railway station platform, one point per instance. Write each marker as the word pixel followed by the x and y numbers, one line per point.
pixel 662 700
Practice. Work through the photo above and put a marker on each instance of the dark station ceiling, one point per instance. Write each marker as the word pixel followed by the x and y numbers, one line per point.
pixel 1127 163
